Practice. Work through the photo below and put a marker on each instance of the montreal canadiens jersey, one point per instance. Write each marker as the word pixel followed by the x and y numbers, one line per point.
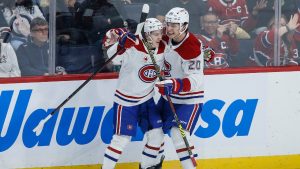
pixel 137 75
pixel 224 48
pixel 264 49
pixel 185 61
pixel 235 11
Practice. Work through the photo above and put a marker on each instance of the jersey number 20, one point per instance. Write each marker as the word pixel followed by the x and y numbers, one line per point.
pixel 195 65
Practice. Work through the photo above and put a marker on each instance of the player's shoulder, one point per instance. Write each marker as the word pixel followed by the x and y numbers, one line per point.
pixel 140 47
pixel 190 48
pixel 161 47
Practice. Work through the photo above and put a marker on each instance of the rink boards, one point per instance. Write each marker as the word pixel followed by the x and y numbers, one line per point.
pixel 250 120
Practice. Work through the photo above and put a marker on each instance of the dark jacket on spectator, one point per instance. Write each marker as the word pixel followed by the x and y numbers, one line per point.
pixel 33 59
pixel 102 16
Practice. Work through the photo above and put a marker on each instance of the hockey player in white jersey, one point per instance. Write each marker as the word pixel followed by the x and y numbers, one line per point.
pixel 183 71
pixel 133 102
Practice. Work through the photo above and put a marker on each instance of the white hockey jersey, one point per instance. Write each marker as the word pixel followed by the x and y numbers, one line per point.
pixel 137 75
pixel 9 66
pixel 185 61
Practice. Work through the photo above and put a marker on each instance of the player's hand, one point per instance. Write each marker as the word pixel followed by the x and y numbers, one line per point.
pixel 127 40
pixel 209 54
pixel 167 87
pixel 112 36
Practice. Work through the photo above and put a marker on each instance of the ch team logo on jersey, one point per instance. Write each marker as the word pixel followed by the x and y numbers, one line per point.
pixel 219 61
pixel 147 73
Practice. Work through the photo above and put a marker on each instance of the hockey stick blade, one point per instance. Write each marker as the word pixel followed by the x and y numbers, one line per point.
pixel 145 11
pixel 144 15
pixel 38 129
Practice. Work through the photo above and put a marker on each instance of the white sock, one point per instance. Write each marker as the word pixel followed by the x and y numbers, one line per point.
pixel 181 149
pixel 152 147
pixel 114 151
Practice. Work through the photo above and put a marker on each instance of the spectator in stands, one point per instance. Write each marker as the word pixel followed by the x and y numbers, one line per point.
pixel 264 43
pixel 104 17
pixel 234 11
pixel 44 7
pixel 70 28
pixel 33 55
pixel 196 9
pixel 18 15
pixel 61 6
pixel 9 66
pixel 79 31
pixel 264 15
pixel 263 11
pixel 221 38
pixel 297 31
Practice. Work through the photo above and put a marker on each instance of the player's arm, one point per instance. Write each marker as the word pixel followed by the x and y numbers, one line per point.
pixel 248 21
pixel 118 38
pixel 192 81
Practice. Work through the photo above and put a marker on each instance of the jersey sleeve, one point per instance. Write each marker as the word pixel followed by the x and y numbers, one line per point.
pixel 111 51
pixel 265 40
pixel 247 20
pixel 15 70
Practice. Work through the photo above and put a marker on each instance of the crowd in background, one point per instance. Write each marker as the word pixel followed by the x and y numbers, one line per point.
pixel 242 32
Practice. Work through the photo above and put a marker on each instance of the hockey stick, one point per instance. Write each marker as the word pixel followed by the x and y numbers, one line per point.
pixel 161 78
pixel 39 127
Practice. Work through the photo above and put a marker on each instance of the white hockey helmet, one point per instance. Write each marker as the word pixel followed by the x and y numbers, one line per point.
pixel 152 24
pixel 177 15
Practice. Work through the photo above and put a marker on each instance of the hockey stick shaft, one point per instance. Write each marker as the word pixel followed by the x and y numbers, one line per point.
pixel 144 15
pixel 87 81
pixel 39 127
pixel 161 78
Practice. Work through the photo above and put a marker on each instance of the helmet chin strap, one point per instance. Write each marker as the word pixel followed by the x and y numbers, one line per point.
pixel 181 32
pixel 186 26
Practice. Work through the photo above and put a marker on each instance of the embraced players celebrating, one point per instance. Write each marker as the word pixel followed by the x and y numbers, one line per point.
pixel 180 55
